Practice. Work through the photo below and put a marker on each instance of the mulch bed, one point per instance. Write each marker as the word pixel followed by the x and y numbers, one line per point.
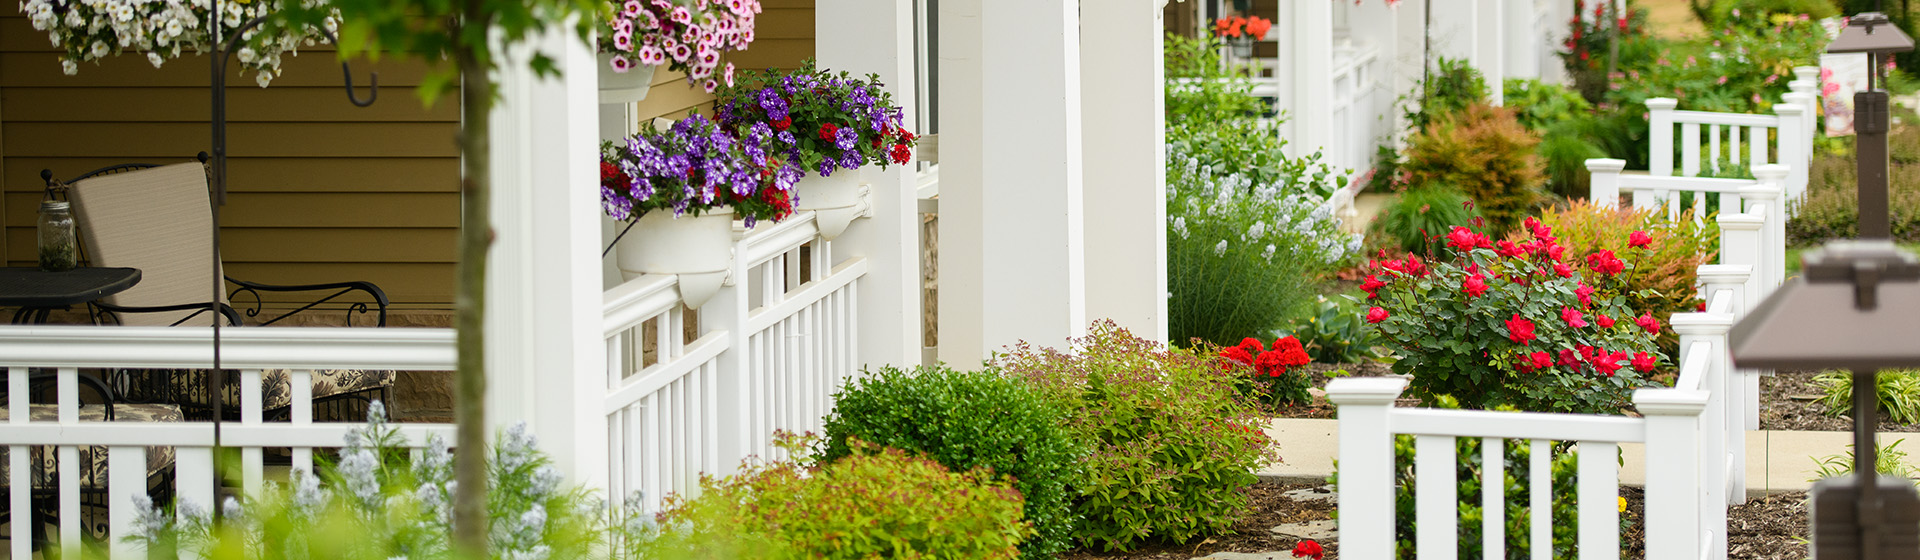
pixel 1787 403
pixel 1251 534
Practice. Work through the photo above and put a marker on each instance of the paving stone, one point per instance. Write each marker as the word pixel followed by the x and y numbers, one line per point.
pixel 1318 530
pixel 1315 494
pixel 1247 556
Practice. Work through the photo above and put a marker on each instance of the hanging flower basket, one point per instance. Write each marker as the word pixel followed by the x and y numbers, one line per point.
pixel 697 248
pixel 628 86
pixel 91 31
pixel 834 199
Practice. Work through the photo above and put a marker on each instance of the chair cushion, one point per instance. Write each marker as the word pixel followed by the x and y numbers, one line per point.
pixel 157 220
pixel 276 389
pixel 94 458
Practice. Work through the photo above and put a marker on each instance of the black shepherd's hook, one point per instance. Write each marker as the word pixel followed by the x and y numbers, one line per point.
pixel 373 87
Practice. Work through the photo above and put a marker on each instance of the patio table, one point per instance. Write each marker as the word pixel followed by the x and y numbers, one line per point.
pixel 37 292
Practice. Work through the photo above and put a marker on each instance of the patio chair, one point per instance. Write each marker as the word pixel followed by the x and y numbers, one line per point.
pixel 158 218
pixel 44 478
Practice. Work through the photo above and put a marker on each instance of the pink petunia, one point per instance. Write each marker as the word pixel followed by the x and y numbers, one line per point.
pixel 620 64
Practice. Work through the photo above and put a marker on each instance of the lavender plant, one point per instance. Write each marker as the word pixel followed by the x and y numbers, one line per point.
pixel 1243 258
pixel 696 166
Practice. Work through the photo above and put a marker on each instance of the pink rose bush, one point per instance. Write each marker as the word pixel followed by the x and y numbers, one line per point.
pixel 1511 324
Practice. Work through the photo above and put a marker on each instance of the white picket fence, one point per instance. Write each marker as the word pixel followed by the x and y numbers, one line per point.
pixel 1361 120
pixel 66 350
pixel 1785 137
pixel 774 346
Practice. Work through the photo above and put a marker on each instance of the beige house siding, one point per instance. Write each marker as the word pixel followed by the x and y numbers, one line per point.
pixel 320 190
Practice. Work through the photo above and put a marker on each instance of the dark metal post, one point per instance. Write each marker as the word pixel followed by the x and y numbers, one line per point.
pixel 1865 454
pixel 1871 122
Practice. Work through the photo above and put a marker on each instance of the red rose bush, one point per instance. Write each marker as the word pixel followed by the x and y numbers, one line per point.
pixel 1511 324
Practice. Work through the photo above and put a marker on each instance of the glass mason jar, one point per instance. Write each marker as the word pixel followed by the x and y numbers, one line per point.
pixel 59 250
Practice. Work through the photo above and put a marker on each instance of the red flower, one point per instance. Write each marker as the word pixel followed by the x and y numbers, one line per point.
pixel 1257 26
pixel 1461 238
pixel 1308 549
pixel 1639 240
pixel 1607 363
pixel 1585 293
pixel 1568 358
pixel 1376 315
pixel 1554 251
pixel 1604 321
pixel 1572 317
pixel 828 130
pixel 1700 307
pixel 1563 270
pixel 1269 364
pixel 783 123
pixel 1540 360
pixel 1646 321
pixel 1372 285
pixel 1252 346
pixel 1520 330
pixel 1605 263
pixel 1508 249
pixel 902 154
pixel 1540 231
pixel 1414 266
pixel 1474 286
pixel 608 171
pixel 1287 353
pixel 1644 362
pixel 1235 356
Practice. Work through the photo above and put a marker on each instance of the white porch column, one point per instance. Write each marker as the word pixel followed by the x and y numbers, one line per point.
pixel 1489 45
pixel 546 359
pixel 1311 50
pixel 1407 62
pixel 1012 250
pixel 1523 45
pixel 890 240
pixel 1121 72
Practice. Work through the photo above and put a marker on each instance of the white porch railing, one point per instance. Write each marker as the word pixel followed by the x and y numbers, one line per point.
pixel 774 346
pixel 1785 137
pixel 1359 121
pixel 66 350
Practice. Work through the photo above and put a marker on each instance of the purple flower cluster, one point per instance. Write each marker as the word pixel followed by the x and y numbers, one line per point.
pixel 686 168
pixel 814 121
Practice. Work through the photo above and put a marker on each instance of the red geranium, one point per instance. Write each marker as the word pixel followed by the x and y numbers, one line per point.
pixel 1287 353
pixel 1235 355
pixel 783 123
pixel 1308 549
pixel 828 130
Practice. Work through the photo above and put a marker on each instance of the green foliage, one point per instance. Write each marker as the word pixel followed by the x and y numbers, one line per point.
pixel 872 503
pixel 1240 255
pixel 1591 41
pixel 1453 86
pixel 1510 324
pixel 1538 105
pixel 1563 467
pixel 1664 273
pixel 1173 445
pixel 1831 209
pixel 1569 132
pixel 1887 460
pixel 969 420
pixel 375 504
pixel 1423 214
pixel 1486 154
pixel 1201 90
pixel 1337 334
pixel 1744 68
pixel 1897 393
pixel 1252 149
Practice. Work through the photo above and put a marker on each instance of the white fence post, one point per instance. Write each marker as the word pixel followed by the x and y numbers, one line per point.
pixel 1740 244
pixel 1796 120
pixel 1743 395
pixel 1310 38
pixel 1366 484
pixel 1707 332
pixel 1769 195
pixel 1660 135
pixel 1604 187
pixel 1673 492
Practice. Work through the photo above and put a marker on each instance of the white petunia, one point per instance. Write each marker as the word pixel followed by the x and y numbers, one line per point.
pixel 263 78
pixel 67 66
pixel 154 58
pixel 247 55
pixel 100 49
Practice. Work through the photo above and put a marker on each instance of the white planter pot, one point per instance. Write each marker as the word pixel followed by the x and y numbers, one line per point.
pixel 697 248
pixel 623 87
pixel 834 200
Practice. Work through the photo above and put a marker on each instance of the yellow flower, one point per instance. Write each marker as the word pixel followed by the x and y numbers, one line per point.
pixel 1623 504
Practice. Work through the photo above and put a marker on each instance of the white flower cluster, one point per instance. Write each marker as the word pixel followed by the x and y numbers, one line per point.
pixel 90 30
pixel 1274 215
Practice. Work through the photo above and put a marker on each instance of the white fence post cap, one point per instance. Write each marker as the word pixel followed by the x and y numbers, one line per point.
pixel 1603 165
pixel 1670 402
pixel 1725 273
pixel 1788 108
pixel 1701 323
pixel 1375 391
pixel 1771 171
pixel 1662 104
pixel 1741 222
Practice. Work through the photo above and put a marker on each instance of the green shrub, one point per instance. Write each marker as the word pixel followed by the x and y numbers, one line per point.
pixel 872 503
pixel 1337 334
pixel 1897 392
pixel 1173 445
pixel 1201 89
pixel 1563 468
pixel 1486 154
pixel 1664 273
pixel 969 420
pixel 1423 214
pixel 1831 209
pixel 1513 324
pixel 1539 105
pixel 1453 86
pixel 1242 257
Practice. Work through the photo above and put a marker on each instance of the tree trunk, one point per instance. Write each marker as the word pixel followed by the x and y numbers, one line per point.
pixel 476 234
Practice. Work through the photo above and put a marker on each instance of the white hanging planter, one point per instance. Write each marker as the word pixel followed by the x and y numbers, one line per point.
pixel 697 248
pixel 623 87
pixel 834 200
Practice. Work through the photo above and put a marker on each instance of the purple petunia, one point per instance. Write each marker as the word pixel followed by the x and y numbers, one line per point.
pixel 846 138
